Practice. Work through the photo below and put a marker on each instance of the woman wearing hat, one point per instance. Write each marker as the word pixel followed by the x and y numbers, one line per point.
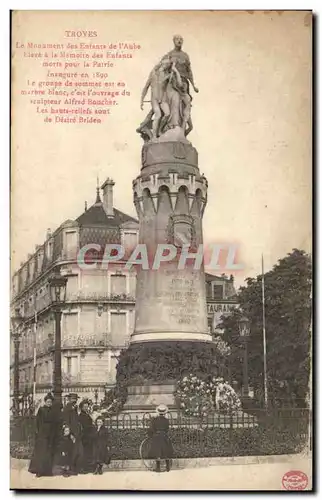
pixel 87 435
pixel 160 445
pixel 41 462
pixel 101 449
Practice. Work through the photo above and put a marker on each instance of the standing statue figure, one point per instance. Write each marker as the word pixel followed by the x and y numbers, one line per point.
pixel 183 65
pixel 158 81
pixel 170 97
pixel 182 61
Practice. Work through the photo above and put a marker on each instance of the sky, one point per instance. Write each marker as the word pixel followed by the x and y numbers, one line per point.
pixel 252 127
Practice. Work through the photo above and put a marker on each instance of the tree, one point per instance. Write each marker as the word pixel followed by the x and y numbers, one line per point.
pixel 288 319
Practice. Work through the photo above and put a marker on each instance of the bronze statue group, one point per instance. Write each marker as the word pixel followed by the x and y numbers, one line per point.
pixel 73 440
pixel 169 83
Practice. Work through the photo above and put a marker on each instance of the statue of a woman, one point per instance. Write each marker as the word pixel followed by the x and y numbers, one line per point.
pixel 170 96
pixel 178 101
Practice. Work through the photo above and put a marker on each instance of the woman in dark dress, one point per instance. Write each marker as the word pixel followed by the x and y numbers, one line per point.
pixel 46 425
pixel 101 450
pixel 160 444
pixel 87 434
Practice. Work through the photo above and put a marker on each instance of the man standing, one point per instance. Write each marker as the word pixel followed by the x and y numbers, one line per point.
pixel 71 419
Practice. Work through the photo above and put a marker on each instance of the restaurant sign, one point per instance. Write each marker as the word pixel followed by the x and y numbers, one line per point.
pixel 222 308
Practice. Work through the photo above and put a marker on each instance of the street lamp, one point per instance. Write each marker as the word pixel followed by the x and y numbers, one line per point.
pixel 57 286
pixel 244 332
pixel 16 321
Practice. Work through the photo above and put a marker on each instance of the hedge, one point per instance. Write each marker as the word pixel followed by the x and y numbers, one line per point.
pixel 193 443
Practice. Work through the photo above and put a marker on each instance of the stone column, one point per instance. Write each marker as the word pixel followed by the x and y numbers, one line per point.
pixel 170 196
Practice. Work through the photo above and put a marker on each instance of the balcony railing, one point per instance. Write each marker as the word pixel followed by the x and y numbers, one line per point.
pixel 93 341
pixel 96 341
pixel 100 296
pixel 68 379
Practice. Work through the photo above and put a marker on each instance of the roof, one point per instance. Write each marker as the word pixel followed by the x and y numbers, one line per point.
pixel 96 215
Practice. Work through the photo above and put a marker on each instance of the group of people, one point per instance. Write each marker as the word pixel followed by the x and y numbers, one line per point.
pixel 69 441
pixel 74 440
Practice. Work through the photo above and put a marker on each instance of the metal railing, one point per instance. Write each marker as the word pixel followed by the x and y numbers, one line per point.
pixel 99 296
pixel 267 433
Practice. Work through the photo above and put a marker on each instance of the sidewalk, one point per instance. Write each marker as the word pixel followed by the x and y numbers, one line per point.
pixel 240 473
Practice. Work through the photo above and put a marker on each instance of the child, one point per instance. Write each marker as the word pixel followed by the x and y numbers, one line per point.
pixel 101 450
pixel 160 443
pixel 65 451
pixel 95 412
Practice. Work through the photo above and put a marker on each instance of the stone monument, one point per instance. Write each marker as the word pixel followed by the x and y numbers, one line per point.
pixel 170 196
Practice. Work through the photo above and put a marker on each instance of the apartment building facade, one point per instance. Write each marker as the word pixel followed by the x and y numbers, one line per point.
pixel 98 314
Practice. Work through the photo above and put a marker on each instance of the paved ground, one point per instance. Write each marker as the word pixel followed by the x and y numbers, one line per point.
pixel 222 474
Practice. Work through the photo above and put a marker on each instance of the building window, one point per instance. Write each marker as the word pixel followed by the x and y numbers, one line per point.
pixel 40 257
pixel 72 286
pixel 39 372
pixel 118 284
pixel 118 328
pixel 218 292
pixel 132 285
pixel 208 290
pixel 130 241
pixel 32 269
pixel 71 366
pixel 24 275
pixel 210 321
pixel 71 243
pixel 49 250
pixel 70 324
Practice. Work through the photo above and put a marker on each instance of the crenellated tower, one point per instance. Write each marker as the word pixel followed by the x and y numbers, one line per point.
pixel 170 196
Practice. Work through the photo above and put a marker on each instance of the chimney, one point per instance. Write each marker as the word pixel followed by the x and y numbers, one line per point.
pixel 85 206
pixel 48 234
pixel 107 189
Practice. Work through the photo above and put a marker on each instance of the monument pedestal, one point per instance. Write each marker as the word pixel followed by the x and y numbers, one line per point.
pixel 170 196
pixel 146 397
